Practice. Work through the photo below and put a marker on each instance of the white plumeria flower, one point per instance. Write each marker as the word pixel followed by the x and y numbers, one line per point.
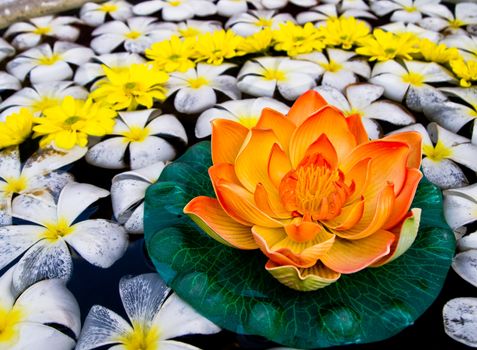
pixel 460 207
pixel 246 112
pixel 26 316
pixel 408 80
pixel 408 11
pixel 176 10
pixel 38 174
pixel 400 27
pixel 46 64
pixel 261 76
pixel 30 34
pixel 196 88
pixel 249 23
pixel 319 14
pixel 229 8
pixel 155 317
pixel 6 50
pixel 191 28
pixel 361 99
pixel 40 97
pixel 444 20
pixel 53 227
pixel 9 82
pixel 463 204
pixel 128 190
pixel 442 149
pixel 453 116
pixel 460 322
pixel 92 71
pixel 95 14
pixel 340 68
pixel 137 34
pixel 139 132
pixel 467 45
pixel 278 4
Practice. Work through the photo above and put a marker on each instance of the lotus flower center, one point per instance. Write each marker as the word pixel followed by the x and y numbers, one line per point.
pixel 198 82
pixel 314 190
pixel 57 230
pixel 415 79
pixel 264 22
pixel 8 324
pixel 438 153
pixel 133 34
pixel 332 66
pixel 141 338
pixel 42 30
pixel 135 134
pixel 15 185
pixel 49 60
pixel 108 8
pixel 274 74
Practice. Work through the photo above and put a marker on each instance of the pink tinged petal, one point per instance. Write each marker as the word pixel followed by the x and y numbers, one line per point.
pixel 209 215
pixel 152 150
pixel 36 209
pixel 351 256
pixel 108 154
pixel 15 240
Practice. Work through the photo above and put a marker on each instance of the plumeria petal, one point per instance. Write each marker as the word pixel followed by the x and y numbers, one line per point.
pixel 40 210
pixel 108 154
pixel 15 240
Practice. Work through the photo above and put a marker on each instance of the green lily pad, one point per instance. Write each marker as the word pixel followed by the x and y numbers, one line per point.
pixel 232 288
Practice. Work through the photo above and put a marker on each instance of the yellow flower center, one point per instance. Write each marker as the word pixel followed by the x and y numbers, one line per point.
pixel 189 32
pixel 141 338
pixel 44 103
pixel 409 8
pixel 353 111
pixel 108 8
pixel 135 134
pixel 42 30
pixel 332 66
pixel 15 185
pixel 264 22
pixel 415 79
pixel 274 74
pixel 49 60
pixel 198 82
pixel 9 320
pixel 57 230
pixel 437 153
pixel 133 34
pixel 248 121
pixel 175 2
pixel 456 24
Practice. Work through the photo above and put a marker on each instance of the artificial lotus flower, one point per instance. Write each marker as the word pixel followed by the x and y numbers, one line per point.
pixel 52 228
pixel 6 50
pixel 263 75
pixel 311 192
pixel 45 63
pixel 460 206
pixel 40 97
pixel 248 23
pixel 15 128
pixel 339 68
pixel 407 11
pixel 91 71
pixel 29 317
pixel 136 35
pixel 141 132
pixel 443 20
pixel 176 10
pixel 400 28
pixel 459 323
pixel 362 99
pixel 246 112
pixel 278 4
pixel 155 316
pixel 95 14
pixel 196 88
pixel 128 190
pixel 322 13
pixel 467 45
pixel 40 173
pixel 229 8
pixel 30 34
pixel 9 82
pixel 408 80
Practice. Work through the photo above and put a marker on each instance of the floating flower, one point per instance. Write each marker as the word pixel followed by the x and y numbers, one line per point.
pixel 6 50
pixel 139 84
pixel 15 128
pixel 127 195
pixel 95 14
pixel 53 227
pixel 71 122
pixel 214 47
pixel 329 12
pixel 384 46
pixel 248 23
pixel 444 20
pixel 45 63
pixel 460 206
pixel 40 173
pixel 155 317
pixel 30 34
pixel 141 132
pixel 407 11
pixel 196 88
pixel 176 10
pixel 262 76
pixel 28 317
pixel 172 55
pixel 330 203
pixel 40 97
pixel 344 32
pixel 466 71
pixel 246 112
pixel 295 39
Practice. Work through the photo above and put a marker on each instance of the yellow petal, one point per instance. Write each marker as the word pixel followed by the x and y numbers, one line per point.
pixel 227 138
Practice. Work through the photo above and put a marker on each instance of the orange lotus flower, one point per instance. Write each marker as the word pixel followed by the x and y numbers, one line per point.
pixel 311 192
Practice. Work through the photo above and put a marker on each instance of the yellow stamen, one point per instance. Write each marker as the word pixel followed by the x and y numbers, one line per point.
pixel 409 8
pixel 274 74
pixel 133 34
pixel 135 134
pixel 197 82
pixel 415 79
pixel 332 66
pixel 42 30
pixel 49 60
pixel 141 338
pixel 437 153
pixel 9 320
pixel 57 230
pixel 108 8
pixel 15 185
pixel 264 22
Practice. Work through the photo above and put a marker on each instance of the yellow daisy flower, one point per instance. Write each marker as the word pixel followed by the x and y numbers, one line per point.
pixel 295 39
pixel 344 31
pixel 16 128
pixel 139 84
pixel 172 55
pixel 433 52
pixel 71 122
pixel 384 46
pixel 214 47
pixel 466 71
pixel 258 42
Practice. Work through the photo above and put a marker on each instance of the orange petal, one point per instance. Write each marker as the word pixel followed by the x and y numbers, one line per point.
pixel 303 231
pixel 324 147
pixel 347 256
pixel 210 217
pixel 278 165
pixel 357 128
pixel 358 175
pixel 328 121
pixel 227 138
pixel 270 206
pixel 306 105
pixel 414 140
pixel 222 171
pixel 281 125
pixel 240 205
pixel 404 198
pixel 349 216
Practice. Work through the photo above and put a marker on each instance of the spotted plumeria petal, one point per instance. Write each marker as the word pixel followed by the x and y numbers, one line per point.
pixel 459 320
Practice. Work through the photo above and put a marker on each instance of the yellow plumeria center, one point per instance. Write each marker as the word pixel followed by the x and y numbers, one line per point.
pixel 9 319
pixel 274 74
pixel 175 2
pixel 44 103
pixel 57 230
pixel 353 111
pixel 456 23
pixel 332 66
pixel 415 79
pixel 108 8
pixel 248 121
pixel 264 22
pixel 189 32
pixel 437 153
pixel 198 82
pixel 133 34
pixel 135 134
pixel 49 60
pixel 409 8
pixel 141 338
pixel 42 30
pixel 15 185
